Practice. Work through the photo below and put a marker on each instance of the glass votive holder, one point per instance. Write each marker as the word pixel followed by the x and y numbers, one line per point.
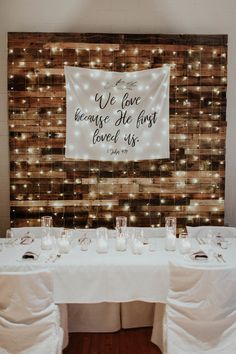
pixel 121 242
pixel 63 242
pixel 137 242
pixel 10 238
pixel 46 221
pixel 152 244
pixel 170 239
pixel 9 233
pixel 69 234
pixel 46 242
pixel 170 225
pixel 121 224
pixel 184 243
pixel 102 240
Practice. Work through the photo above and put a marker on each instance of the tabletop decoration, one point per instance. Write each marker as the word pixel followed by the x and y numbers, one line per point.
pixel 137 242
pixel 184 243
pixel 84 242
pixel 120 242
pixel 63 243
pixel 121 224
pixel 121 229
pixel 46 240
pixel 9 233
pixel 102 240
pixel 170 241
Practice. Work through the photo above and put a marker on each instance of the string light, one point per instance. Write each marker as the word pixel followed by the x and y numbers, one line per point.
pixel 181 140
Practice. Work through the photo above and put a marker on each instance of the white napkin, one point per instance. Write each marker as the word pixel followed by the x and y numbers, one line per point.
pixel 27 239
pixel 32 253
pixel 199 255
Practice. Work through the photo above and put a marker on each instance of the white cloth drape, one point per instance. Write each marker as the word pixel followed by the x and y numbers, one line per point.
pixel 29 319
pixel 201 310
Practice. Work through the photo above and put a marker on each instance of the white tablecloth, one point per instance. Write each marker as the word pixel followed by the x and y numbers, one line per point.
pixel 89 277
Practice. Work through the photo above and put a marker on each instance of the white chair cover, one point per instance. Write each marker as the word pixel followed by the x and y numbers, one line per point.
pixel 201 310
pixel 158 326
pixel 202 231
pixel 29 319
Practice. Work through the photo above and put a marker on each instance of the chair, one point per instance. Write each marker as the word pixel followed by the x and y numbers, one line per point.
pixel 29 319
pixel 201 310
pixel 202 231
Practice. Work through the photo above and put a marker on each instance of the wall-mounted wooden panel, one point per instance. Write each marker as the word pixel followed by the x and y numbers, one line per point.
pixel 189 185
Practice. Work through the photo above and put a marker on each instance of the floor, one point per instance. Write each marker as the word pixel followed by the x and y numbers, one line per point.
pixel 129 341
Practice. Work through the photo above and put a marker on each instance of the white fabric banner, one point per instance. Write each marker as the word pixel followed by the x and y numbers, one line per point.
pixel 117 115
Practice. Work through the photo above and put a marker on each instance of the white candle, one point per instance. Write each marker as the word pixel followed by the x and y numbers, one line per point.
pixel 63 245
pixel 170 242
pixel 120 243
pixel 46 243
pixel 102 245
pixel 137 247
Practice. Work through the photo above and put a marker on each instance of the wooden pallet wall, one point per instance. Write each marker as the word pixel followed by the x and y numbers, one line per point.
pixel 189 185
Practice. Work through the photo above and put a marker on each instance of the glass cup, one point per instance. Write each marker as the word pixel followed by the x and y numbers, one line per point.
pixel 170 226
pixel 47 241
pixel 152 244
pixel 121 224
pixel 9 233
pixel 102 240
pixel 137 242
pixel 10 236
pixel 63 242
pixel 211 241
pixel 184 243
pixel 46 221
pixel 121 241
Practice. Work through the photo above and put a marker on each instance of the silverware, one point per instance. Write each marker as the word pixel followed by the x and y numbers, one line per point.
pixel 58 255
pixel 53 257
pixel 216 257
pixel 220 256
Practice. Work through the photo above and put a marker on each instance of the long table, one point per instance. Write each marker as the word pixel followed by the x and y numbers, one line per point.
pixel 90 277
